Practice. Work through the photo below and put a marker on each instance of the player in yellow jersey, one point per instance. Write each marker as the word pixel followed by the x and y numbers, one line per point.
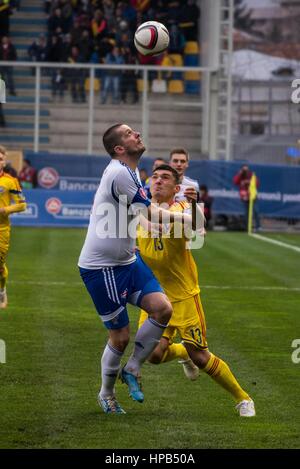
pixel 173 265
pixel 11 200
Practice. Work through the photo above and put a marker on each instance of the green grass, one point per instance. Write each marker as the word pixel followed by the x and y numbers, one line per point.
pixel 54 341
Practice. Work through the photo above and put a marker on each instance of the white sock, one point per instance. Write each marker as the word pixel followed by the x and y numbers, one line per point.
pixel 110 365
pixel 146 339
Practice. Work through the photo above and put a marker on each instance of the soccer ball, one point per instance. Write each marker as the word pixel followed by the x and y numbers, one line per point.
pixel 151 38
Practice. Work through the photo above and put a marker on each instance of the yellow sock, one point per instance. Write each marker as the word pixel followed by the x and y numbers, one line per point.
pixel 220 372
pixel 175 351
pixel 3 277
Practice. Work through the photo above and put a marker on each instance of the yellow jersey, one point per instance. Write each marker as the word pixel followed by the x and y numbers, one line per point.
pixel 11 199
pixel 171 261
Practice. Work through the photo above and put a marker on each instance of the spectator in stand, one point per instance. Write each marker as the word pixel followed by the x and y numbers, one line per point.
pixel 207 200
pixel 141 5
pixel 105 46
pixel 98 25
pixel 109 13
pixel 129 14
pixel 129 77
pixel 55 21
pixel 174 11
pixel 55 49
pixel 112 78
pixel 67 15
pixel 76 31
pixel 28 175
pixel 58 83
pixel 76 77
pixel 189 20
pixel 122 31
pixel 4 17
pixel 8 52
pixel 85 46
pixel 66 46
pixel 38 51
pixel 161 12
pixel 242 179
pixel 177 40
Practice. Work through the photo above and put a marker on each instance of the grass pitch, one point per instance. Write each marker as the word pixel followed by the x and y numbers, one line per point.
pixel 54 339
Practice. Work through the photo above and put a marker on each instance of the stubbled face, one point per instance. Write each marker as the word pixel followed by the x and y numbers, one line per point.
pixel 131 141
pixel 163 185
pixel 179 161
pixel 2 161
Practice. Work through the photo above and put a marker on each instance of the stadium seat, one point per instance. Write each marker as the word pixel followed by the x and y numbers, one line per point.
pixel 191 60
pixel 191 47
pixel 140 85
pixel 192 87
pixel 175 86
pixel 96 84
pixel 192 76
pixel 176 60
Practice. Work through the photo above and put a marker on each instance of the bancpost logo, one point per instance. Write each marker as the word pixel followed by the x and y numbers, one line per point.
pixel 48 178
pixel 2 91
pixel 53 205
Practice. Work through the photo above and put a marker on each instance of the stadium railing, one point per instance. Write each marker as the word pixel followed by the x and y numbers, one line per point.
pixel 146 73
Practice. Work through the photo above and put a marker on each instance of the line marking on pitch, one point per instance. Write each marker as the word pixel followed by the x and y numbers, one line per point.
pixel 274 241
pixel 47 283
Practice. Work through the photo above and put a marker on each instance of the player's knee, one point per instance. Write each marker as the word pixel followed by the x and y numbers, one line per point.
pixel 202 358
pixel 164 314
pixel 120 340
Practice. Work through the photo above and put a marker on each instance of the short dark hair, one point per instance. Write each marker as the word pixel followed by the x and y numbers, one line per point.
pixel 111 138
pixel 180 150
pixel 166 167
pixel 26 160
pixel 203 187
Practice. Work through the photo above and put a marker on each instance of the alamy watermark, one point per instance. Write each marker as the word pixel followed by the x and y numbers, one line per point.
pixel 122 222
pixel 2 351
pixel 296 353
pixel 2 91
pixel 295 97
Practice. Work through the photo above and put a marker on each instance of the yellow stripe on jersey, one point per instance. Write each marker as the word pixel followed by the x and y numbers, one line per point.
pixel 172 264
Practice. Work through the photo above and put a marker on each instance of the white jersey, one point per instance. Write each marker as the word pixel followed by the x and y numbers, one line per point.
pixel 186 182
pixel 108 241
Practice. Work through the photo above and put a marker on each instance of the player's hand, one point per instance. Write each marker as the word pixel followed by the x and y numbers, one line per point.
pixel 2 210
pixel 190 194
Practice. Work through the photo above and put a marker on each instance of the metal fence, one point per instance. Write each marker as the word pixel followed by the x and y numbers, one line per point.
pixel 169 110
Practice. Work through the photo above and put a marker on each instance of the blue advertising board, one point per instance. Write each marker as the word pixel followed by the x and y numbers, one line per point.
pixel 73 180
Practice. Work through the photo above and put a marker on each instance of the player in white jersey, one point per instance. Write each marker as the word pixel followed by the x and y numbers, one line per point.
pixel 179 160
pixel 111 272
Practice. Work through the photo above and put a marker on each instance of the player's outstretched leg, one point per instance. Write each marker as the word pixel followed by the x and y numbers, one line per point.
pixel 221 373
pixel 110 365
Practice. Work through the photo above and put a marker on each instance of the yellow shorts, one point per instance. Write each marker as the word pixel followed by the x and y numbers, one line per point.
pixel 4 245
pixel 187 320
